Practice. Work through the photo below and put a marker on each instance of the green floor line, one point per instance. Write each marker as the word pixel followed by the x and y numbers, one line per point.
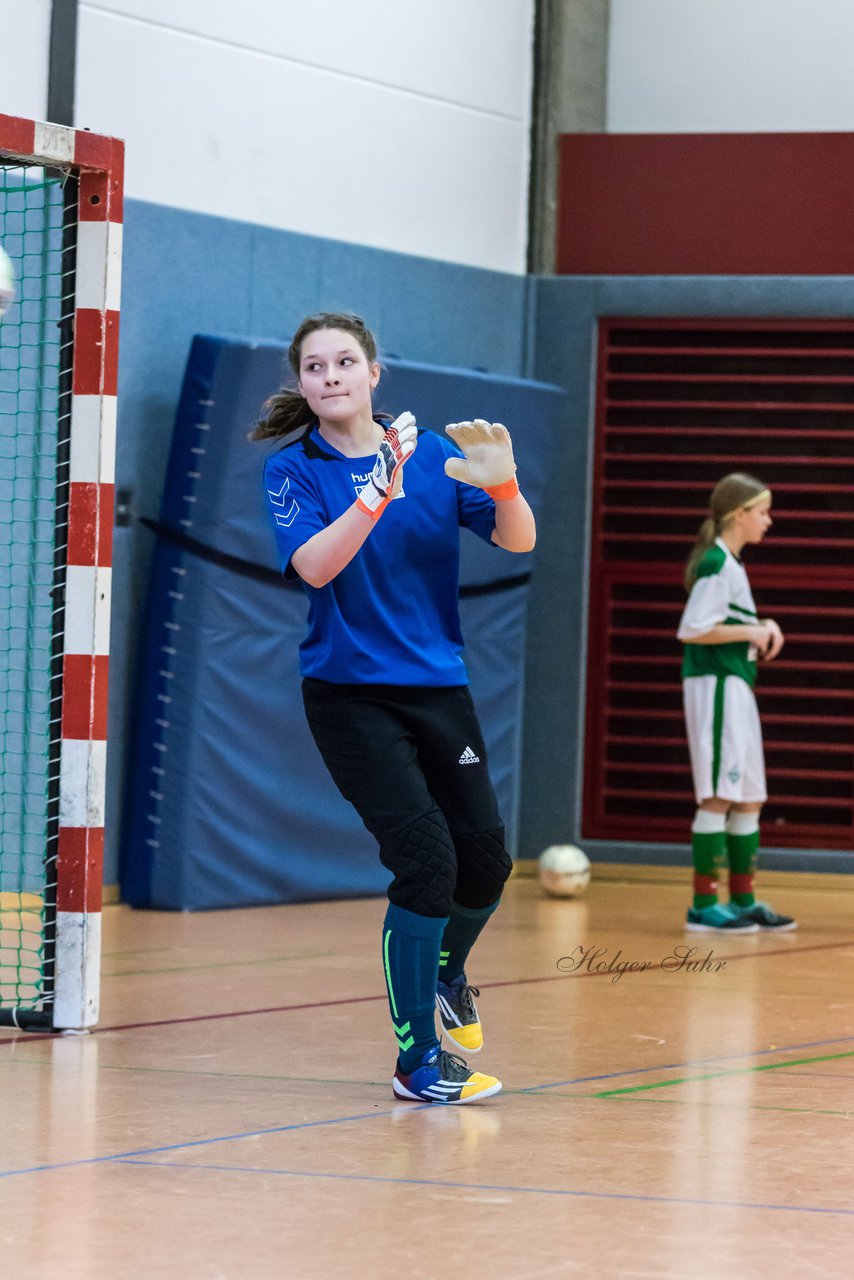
pixel 545 1095
pixel 749 1106
pixel 714 1075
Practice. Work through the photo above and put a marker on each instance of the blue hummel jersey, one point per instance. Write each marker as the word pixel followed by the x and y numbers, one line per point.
pixel 391 616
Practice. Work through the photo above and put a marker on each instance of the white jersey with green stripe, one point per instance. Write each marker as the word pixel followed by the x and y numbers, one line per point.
pixel 720 594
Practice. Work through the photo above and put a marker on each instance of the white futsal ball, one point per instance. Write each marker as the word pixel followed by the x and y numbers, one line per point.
pixel 7 280
pixel 564 871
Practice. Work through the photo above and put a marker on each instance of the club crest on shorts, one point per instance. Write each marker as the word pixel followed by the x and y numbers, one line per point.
pixel 469 757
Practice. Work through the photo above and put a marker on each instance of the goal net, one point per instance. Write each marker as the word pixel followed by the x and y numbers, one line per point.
pixel 60 232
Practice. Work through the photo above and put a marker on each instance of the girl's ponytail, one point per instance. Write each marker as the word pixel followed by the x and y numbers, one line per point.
pixel 706 535
pixel 285 412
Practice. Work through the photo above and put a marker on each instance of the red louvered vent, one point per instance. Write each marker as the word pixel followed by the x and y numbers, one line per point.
pixel 679 404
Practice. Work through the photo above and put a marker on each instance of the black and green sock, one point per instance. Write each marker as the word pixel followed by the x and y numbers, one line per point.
pixel 461 933
pixel 411 964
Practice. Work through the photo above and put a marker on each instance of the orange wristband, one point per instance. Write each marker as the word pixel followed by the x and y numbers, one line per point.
pixel 501 492
pixel 377 511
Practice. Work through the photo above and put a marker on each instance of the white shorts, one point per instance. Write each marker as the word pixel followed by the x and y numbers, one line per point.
pixel 725 739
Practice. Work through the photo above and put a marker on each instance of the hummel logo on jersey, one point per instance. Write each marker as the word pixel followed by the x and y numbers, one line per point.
pixel 469 757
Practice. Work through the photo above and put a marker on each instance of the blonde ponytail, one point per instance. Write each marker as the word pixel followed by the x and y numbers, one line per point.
pixel 706 535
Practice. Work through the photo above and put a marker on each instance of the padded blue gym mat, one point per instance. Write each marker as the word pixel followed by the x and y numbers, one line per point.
pixel 229 803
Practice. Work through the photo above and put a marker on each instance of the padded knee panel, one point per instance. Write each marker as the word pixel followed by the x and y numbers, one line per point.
pixel 483 865
pixel 423 862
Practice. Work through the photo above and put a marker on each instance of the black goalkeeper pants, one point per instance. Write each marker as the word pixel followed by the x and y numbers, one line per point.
pixel 412 762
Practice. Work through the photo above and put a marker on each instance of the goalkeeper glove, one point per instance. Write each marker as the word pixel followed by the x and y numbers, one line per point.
pixel 488 461
pixel 386 479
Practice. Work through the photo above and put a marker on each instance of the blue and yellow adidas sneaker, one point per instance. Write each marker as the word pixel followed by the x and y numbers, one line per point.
pixel 444 1078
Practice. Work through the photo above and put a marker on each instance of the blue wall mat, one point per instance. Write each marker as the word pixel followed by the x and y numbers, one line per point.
pixel 229 803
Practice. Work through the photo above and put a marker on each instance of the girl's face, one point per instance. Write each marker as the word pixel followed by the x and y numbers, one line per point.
pixel 752 525
pixel 335 376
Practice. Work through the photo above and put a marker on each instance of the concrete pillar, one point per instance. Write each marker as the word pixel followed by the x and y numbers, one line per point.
pixel 570 83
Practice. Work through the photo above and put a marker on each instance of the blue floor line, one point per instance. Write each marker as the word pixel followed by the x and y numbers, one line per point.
pixel 198 1142
pixel 488 1186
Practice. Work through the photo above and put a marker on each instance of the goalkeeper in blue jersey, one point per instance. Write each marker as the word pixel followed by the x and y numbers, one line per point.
pixel 367 514
pixel 723 638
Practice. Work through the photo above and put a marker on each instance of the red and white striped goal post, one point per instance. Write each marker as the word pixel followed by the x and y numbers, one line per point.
pixel 98 164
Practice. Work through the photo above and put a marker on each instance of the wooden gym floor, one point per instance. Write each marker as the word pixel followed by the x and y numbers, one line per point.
pixel 232 1116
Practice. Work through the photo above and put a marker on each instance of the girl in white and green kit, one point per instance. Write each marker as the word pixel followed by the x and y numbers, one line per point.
pixel 723 639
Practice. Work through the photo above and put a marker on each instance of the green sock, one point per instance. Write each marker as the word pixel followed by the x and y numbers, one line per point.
pixel 708 849
pixel 741 855
pixel 461 933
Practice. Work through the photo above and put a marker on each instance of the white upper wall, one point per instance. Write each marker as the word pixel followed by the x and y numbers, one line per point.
pixel 24 54
pixel 383 122
pixel 719 66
